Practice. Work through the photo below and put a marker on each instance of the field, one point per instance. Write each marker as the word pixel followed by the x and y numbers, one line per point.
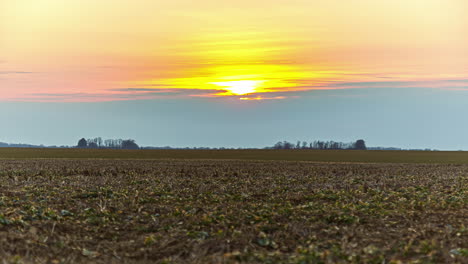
pixel 230 211
pixel 448 157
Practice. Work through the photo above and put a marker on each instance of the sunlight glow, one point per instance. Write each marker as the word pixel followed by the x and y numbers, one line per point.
pixel 259 98
pixel 239 87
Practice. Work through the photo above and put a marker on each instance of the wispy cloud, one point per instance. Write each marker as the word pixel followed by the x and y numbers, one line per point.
pixel 458 81
pixel 133 90
pixel 431 84
pixel 260 98
pixel 118 94
pixel 15 72
pixel 303 89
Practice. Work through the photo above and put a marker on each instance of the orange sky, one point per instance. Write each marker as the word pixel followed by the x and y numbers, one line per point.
pixel 122 49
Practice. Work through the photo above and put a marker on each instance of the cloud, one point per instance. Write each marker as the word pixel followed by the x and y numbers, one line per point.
pixel 118 94
pixel 444 84
pixel 15 72
pixel 132 90
pixel 458 81
pixel 10 74
pixel 385 84
pixel 145 93
pixel 164 91
pixel 260 98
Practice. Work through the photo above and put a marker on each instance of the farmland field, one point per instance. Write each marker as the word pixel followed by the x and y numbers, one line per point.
pixel 231 211
pixel 448 157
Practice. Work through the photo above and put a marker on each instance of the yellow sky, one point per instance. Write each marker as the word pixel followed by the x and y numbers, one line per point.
pixel 229 48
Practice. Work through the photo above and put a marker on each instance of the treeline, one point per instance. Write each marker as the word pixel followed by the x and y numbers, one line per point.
pixel 359 145
pixel 9 145
pixel 99 143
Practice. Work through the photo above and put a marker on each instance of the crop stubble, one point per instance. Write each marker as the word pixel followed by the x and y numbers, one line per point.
pixel 219 211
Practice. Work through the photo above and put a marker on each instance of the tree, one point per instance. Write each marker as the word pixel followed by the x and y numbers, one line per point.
pixel 360 144
pixel 82 143
pixel 288 145
pixel 320 145
pixel 298 145
pixel 99 142
pixel 108 143
pixel 129 144
pixel 92 145
pixel 278 145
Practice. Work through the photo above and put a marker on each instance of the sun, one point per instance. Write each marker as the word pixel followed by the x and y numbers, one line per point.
pixel 240 87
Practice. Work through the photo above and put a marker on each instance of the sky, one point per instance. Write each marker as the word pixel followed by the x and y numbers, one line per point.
pixel 244 73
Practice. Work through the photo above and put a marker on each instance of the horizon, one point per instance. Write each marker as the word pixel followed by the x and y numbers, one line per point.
pixel 187 74
pixel 293 144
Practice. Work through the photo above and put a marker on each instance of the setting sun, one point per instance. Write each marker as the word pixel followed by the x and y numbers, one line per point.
pixel 240 87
